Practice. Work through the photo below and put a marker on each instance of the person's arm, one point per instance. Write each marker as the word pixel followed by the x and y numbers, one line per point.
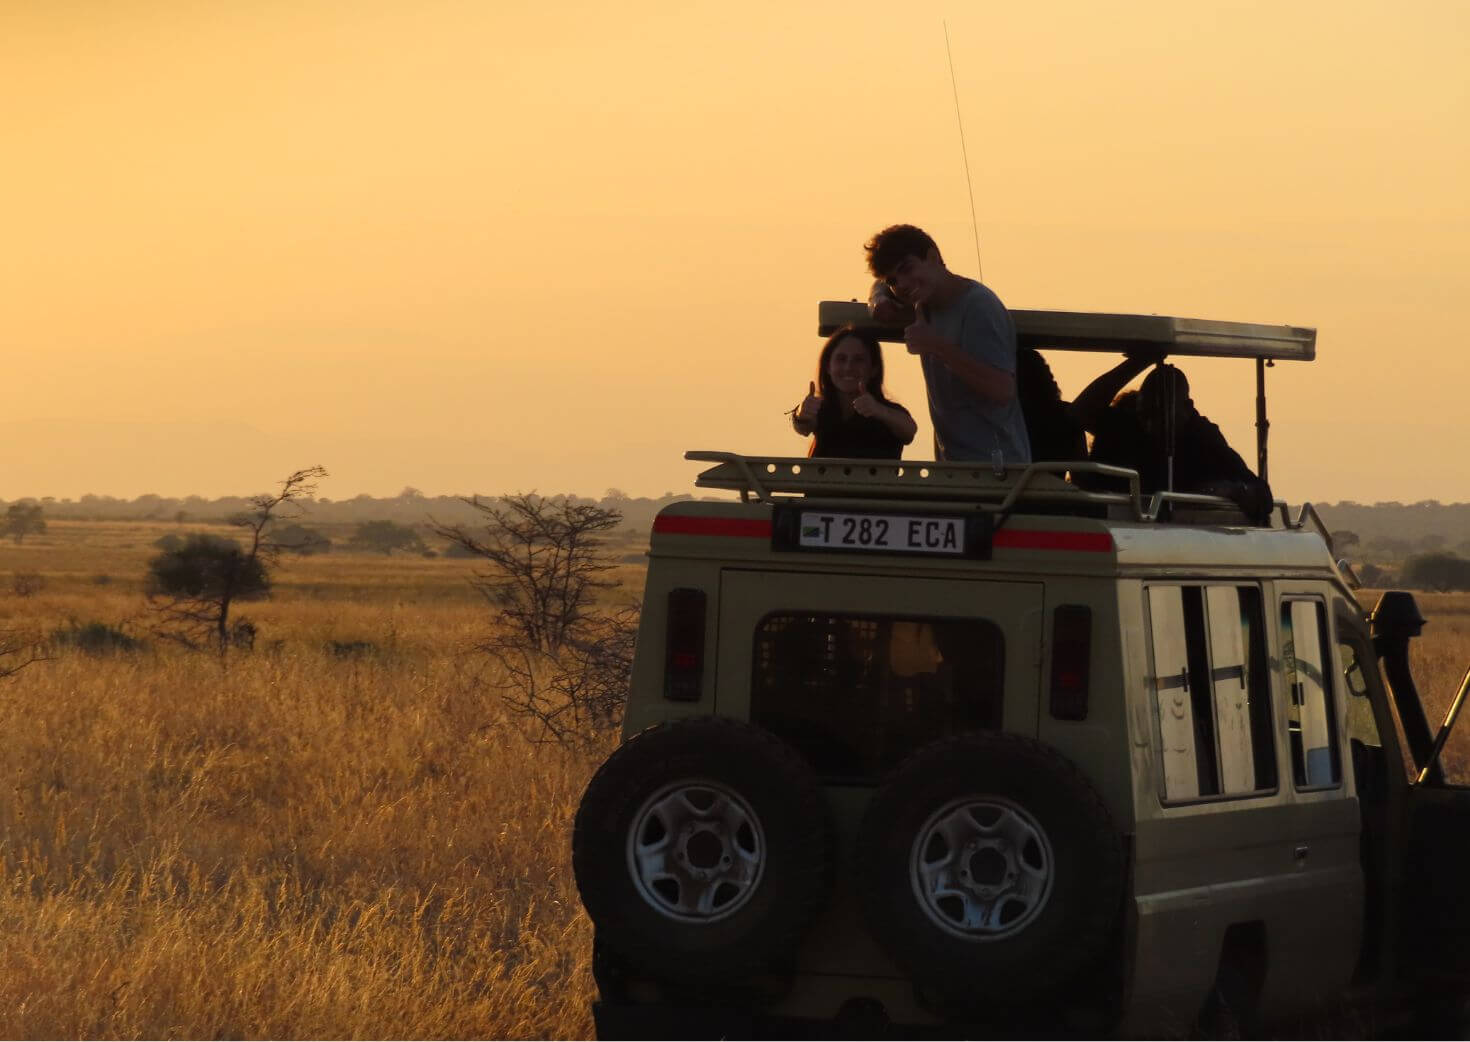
pixel 1089 406
pixel 895 417
pixel 804 416
pixel 987 381
pixel 885 307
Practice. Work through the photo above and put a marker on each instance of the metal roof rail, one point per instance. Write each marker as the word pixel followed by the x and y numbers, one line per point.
pixel 770 479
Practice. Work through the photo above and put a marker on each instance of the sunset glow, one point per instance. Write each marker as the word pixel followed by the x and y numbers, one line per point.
pixel 475 246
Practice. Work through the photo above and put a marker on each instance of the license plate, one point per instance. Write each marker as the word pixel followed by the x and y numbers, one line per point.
pixel 890 533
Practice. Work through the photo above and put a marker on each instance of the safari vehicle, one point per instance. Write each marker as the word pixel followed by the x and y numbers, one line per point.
pixel 963 749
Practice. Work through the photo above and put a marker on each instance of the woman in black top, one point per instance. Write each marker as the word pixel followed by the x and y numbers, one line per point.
pixel 845 407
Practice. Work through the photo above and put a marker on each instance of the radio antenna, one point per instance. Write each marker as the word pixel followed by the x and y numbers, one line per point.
pixel 964 153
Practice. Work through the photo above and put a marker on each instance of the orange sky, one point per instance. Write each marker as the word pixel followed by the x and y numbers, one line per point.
pixel 475 246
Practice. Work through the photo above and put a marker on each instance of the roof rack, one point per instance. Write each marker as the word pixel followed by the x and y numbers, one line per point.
pixel 1089 331
pixel 989 488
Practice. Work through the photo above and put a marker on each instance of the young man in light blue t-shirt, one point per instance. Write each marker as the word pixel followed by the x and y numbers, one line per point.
pixel 966 343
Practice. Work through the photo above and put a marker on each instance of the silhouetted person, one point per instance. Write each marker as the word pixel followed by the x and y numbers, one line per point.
pixel 1051 426
pixel 1159 433
pixel 966 343
pixel 845 407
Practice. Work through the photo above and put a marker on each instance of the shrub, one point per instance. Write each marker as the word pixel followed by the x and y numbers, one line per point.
pixel 351 648
pixel 96 638
pixel 385 536
pixel 1436 571
pixel 564 660
pixel 1372 575
pixel 27 584
pixel 298 539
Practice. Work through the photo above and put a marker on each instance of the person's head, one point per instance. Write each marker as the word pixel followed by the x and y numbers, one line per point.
pixel 851 361
pixel 1163 390
pixel 1036 387
pixel 908 260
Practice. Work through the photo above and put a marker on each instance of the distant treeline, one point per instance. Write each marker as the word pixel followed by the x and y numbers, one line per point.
pixel 408 507
pixel 1392 531
pixel 1384 531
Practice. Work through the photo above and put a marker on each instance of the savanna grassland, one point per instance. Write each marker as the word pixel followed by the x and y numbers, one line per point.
pixel 341 834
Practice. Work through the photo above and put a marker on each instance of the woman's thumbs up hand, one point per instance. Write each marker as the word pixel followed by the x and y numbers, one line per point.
pixel 807 411
pixel 865 404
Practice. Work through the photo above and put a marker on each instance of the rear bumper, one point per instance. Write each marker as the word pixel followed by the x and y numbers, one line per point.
pixel 856 1020
pixel 617 1021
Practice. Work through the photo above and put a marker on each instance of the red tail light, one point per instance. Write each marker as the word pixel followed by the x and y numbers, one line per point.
pixel 684 645
pixel 1071 661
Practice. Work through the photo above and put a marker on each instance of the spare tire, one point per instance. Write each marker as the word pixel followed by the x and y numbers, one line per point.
pixel 701 849
pixel 989 868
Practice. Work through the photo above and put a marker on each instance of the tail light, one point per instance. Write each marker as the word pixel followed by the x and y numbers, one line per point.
pixel 684 645
pixel 1071 661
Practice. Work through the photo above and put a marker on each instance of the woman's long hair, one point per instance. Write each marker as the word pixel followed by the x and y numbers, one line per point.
pixel 874 386
pixel 831 411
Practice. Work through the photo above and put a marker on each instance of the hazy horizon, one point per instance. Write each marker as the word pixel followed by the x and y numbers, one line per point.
pixel 470 247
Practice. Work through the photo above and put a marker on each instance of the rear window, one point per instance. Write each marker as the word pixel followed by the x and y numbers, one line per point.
pixel 857 693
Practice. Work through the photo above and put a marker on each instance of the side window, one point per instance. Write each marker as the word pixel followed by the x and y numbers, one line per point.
pixel 1211 692
pixel 1311 722
pixel 856 694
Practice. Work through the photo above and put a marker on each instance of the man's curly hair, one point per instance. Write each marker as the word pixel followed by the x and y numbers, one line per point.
pixel 888 248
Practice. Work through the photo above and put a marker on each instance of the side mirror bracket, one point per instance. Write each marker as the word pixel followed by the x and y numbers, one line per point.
pixel 1432 767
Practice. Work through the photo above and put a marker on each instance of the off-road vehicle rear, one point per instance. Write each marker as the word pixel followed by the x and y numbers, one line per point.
pixel 959 748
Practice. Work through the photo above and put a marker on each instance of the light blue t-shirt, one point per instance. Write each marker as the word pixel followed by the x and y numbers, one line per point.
pixel 966 426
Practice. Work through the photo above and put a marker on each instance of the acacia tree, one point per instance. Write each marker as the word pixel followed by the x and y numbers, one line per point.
pixel 565 660
pixel 195 586
pixel 23 519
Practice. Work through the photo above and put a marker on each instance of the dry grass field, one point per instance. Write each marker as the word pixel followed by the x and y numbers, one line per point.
pixel 309 843
pixel 305 844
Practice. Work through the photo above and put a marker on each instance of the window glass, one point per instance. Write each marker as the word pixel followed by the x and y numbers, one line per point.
pixel 1172 694
pixel 1242 688
pixel 856 694
pixel 1311 723
pixel 1211 690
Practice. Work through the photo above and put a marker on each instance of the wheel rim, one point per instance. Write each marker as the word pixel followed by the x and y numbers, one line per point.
pixel 696 851
pixel 982 868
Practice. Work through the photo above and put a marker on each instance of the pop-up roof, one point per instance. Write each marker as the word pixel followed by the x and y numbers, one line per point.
pixel 1085 331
